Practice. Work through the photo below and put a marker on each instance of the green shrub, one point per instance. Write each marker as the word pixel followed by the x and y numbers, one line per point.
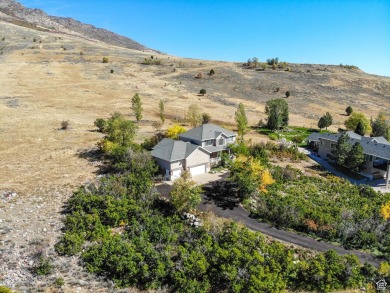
pixel 273 136
pixel 4 289
pixel 70 243
pixel 43 267
pixel 202 92
pixel 100 123
pixel 105 60
pixel 298 139
pixel 212 72
pixel 59 282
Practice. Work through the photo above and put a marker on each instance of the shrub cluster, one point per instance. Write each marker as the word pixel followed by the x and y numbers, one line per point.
pixel 330 208
pixel 131 237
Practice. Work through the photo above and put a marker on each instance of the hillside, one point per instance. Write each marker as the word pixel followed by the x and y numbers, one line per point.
pixel 50 75
pixel 13 12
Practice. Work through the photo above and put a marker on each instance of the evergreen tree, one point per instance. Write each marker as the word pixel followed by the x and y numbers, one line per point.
pixel 322 123
pixel 342 149
pixel 359 128
pixel 328 120
pixel 136 106
pixel 349 110
pixel 277 111
pixel 162 111
pixel 355 157
pixel 242 121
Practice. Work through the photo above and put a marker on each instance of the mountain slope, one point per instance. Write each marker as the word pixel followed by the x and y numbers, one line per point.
pixel 13 11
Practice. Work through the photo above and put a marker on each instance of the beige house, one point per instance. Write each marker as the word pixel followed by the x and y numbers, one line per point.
pixel 196 151
pixel 376 150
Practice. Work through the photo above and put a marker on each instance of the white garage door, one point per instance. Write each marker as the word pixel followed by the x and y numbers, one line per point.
pixel 176 174
pixel 198 170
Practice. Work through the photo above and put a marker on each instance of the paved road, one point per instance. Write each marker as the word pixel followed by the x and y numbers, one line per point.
pixel 239 214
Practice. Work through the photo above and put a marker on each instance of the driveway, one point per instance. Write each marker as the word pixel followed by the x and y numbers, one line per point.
pixel 239 214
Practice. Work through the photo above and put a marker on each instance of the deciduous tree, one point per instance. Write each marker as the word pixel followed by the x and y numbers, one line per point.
pixel 136 106
pixel 277 111
pixel 194 115
pixel 174 131
pixel 241 120
pixel 250 175
pixel 162 111
pixel 185 195
pixel 120 131
pixel 354 119
pixel 381 126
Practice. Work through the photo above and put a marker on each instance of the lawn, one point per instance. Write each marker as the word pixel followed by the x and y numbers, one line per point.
pixel 292 133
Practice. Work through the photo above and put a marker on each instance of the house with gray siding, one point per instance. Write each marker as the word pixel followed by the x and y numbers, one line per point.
pixel 376 150
pixel 212 138
pixel 195 151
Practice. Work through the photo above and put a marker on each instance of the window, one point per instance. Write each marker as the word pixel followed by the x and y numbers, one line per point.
pixel 229 139
pixel 208 142
pixel 221 141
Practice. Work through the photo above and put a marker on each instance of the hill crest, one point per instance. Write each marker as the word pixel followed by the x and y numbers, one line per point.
pixel 14 12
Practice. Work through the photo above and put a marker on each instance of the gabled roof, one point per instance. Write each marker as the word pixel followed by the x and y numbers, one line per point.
pixel 381 139
pixel 173 150
pixel 205 132
pixel 375 146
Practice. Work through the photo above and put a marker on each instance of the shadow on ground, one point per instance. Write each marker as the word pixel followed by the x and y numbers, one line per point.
pixel 223 194
pixel 95 157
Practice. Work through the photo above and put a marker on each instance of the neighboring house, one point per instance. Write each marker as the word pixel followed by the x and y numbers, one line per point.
pixel 175 156
pixel 196 151
pixel 211 137
pixel 376 150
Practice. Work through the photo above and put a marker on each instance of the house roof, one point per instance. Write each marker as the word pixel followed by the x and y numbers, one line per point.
pixel 205 132
pixel 376 146
pixel 173 150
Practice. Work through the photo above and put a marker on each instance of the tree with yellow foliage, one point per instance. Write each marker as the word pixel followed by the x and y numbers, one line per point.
pixel 250 175
pixel 385 211
pixel 174 131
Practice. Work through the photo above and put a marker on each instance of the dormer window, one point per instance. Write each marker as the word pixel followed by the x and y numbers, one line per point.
pixel 221 141
pixel 208 142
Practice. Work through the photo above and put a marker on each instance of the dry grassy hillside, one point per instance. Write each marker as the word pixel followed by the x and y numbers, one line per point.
pixel 59 77
pixel 47 78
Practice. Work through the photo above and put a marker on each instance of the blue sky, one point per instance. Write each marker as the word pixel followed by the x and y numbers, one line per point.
pixel 319 32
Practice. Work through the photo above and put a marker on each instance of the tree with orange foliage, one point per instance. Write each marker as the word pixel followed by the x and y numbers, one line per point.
pixel 250 175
